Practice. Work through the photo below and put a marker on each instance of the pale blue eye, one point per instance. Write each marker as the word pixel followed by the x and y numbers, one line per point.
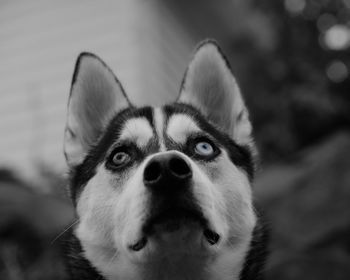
pixel 204 149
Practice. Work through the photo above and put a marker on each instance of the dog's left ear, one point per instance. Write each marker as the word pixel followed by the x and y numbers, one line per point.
pixel 96 96
pixel 210 86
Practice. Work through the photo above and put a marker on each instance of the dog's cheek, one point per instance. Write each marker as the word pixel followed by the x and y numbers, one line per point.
pixel 231 196
pixel 235 187
pixel 209 199
pixel 95 209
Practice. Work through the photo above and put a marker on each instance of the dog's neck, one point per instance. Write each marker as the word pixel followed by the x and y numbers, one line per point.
pixel 228 267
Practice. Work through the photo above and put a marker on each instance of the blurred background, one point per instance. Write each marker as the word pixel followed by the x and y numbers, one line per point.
pixel 292 61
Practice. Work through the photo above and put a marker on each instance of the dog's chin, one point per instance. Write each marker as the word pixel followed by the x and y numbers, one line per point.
pixel 176 231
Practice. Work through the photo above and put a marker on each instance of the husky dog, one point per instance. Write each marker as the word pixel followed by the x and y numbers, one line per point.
pixel 162 192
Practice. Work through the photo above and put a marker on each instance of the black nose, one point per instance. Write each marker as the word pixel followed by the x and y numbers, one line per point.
pixel 167 173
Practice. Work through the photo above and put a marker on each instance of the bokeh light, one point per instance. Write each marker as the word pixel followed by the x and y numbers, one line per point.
pixel 337 71
pixel 337 37
pixel 295 6
pixel 347 3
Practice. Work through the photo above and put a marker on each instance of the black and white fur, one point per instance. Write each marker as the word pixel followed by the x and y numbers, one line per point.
pixel 166 211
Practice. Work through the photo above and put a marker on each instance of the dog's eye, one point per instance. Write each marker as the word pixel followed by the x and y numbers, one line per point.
pixel 204 148
pixel 120 158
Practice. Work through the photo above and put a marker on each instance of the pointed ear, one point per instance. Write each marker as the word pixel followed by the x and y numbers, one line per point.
pixel 95 97
pixel 210 86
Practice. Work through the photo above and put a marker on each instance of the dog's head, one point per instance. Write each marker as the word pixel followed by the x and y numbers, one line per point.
pixel 155 183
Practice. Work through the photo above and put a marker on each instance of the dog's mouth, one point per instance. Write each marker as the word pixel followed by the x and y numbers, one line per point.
pixel 172 220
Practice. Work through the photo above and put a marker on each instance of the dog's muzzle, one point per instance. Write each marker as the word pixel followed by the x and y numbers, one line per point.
pixel 168 177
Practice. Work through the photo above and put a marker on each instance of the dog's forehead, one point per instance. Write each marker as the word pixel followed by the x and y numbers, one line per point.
pixel 176 126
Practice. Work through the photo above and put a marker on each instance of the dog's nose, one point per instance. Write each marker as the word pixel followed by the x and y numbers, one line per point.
pixel 167 173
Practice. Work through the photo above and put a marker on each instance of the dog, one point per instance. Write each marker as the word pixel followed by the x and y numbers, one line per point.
pixel 162 192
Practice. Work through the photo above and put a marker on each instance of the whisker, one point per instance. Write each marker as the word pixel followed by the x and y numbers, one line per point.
pixel 112 258
pixel 64 231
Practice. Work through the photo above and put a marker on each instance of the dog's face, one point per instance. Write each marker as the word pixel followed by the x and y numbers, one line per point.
pixel 157 187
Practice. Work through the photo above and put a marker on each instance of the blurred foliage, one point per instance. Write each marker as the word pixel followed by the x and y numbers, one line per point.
pixel 30 226
pixel 299 108
pixel 293 101
pixel 307 208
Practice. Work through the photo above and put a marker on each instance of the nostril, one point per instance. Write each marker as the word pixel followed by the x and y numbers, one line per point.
pixel 180 168
pixel 152 172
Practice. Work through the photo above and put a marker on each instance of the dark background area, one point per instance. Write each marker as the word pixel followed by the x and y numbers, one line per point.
pixel 292 61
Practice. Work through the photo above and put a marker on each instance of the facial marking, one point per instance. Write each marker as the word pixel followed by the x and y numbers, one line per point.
pixel 180 126
pixel 158 118
pixel 138 130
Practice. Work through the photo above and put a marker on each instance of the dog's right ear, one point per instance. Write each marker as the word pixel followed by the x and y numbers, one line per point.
pixel 95 97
